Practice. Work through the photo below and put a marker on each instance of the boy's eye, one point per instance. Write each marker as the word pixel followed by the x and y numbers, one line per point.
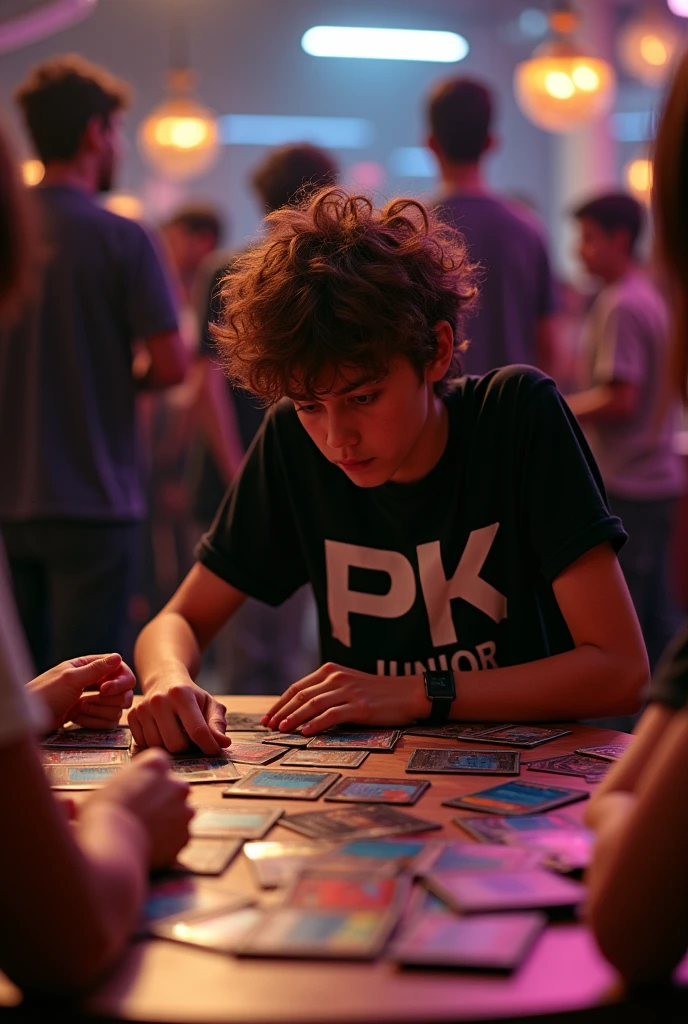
pixel 306 408
pixel 366 399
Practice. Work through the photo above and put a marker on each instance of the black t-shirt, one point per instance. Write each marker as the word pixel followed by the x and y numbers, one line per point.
pixel 670 682
pixel 453 571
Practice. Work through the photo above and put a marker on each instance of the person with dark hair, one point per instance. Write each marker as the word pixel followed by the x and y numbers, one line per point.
pixel 625 357
pixel 454 528
pixel 71 495
pixel 291 172
pixel 192 233
pixel 514 320
pixel 90 872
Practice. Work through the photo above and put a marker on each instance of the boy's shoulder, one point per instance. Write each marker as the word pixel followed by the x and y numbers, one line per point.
pixel 506 386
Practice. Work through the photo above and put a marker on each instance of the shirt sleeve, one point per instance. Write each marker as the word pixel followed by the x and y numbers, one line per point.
pixel 21 713
pixel 562 496
pixel 254 542
pixel 670 680
pixel 620 355
pixel 149 301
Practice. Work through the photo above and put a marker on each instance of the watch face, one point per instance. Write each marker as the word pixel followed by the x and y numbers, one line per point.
pixel 440 684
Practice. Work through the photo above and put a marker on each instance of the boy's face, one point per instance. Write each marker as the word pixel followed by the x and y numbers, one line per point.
pixel 600 251
pixel 376 431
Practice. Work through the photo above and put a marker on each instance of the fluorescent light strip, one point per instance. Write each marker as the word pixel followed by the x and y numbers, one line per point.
pixel 384 43
pixel 412 162
pixel 278 129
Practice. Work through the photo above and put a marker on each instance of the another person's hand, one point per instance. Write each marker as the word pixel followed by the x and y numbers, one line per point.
pixel 110 684
pixel 156 798
pixel 175 714
pixel 334 694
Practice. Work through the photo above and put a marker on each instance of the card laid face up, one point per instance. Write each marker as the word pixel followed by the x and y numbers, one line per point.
pixel 368 821
pixel 517 797
pixel 276 864
pixel 79 776
pixel 506 830
pixel 325 758
pixel 182 895
pixel 92 757
pixel 481 857
pixel 245 822
pixel 287 739
pixel 238 722
pixel 474 892
pixel 88 739
pixel 254 753
pixel 223 932
pixel 464 762
pixel 204 769
pixel 588 768
pixel 317 934
pixel 381 791
pixel 560 841
pixel 377 856
pixel 289 785
pixel 313 891
pixel 609 752
pixel 522 735
pixel 498 942
pixel 383 739
pixel 208 856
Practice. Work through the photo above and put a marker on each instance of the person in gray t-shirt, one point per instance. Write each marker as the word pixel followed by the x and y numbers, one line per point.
pixel 625 352
pixel 513 319
pixel 71 494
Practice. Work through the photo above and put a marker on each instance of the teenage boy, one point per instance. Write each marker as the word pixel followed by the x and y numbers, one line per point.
pixel 455 532
pixel 623 409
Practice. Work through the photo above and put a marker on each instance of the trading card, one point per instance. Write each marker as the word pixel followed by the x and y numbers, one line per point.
pixel 507 830
pixel 377 856
pixel 204 769
pixel 482 892
pixel 314 890
pixel 240 822
pixel 517 797
pixel 453 730
pixel 208 856
pixel 464 762
pixel 385 739
pixel 318 934
pixel 254 753
pixel 588 768
pixel 92 757
pixel 497 942
pixel 239 722
pixel 480 857
pixel 325 758
pixel 222 932
pixel 88 739
pixel 610 752
pixel 369 821
pixel 181 895
pixel 521 735
pixel 287 739
pixel 378 791
pixel 276 864
pixel 290 784
pixel 84 776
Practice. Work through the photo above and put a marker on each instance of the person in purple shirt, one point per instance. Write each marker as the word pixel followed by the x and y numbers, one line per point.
pixel 71 494
pixel 513 322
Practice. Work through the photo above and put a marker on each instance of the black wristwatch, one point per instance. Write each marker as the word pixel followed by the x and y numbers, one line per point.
pixel 440 688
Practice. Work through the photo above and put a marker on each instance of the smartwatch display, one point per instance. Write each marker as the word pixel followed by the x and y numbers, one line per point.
pixel 440 689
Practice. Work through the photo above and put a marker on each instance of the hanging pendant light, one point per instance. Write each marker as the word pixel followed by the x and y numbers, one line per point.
pixel 563 87
pixel 647 45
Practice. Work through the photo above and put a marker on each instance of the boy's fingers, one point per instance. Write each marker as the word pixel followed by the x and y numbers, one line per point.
pixel 215 714
pixel 185 704
pixel 290 693
pixel 91 672
pixel 122 682
pixel 316 706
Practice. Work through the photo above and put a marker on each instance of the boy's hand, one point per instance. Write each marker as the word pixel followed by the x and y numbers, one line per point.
pixel 174 714
pixel 334 694
pixel 61 690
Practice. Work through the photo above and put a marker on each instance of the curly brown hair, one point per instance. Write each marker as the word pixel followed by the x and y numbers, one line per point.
pixel 337 285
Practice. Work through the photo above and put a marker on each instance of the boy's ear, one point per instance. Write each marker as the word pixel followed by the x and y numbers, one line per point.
pixel 92 136
pixel 445 351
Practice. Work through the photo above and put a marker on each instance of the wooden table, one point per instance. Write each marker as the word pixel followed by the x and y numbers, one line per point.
pixel 168 982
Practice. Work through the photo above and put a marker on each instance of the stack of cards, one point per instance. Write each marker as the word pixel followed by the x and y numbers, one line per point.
pixel 79 776
pixel 366 739
pixel 287 739
pixel 204 769
pixel 276 864
pixel 238 822
pixel 464 762
pixel 496 942
pixel 379 791
pixel 364 822
pixel 520 735
pixel 325 758
pixel 104 758
pixel 475 892
pixel 289 785
pixel 452 730
pixel 517 797
pixel 74 738
pixel 254 753
pixel 589 768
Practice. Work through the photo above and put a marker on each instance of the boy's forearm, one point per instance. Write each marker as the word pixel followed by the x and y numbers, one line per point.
pixel 166 647
pixel 584 683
